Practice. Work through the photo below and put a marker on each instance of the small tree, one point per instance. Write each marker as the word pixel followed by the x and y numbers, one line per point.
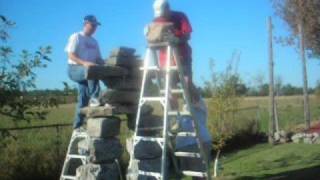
pixel 17 76
pixel 224 102
pixel 302 17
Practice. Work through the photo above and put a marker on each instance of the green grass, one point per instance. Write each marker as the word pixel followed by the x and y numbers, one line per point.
pixel 289 161
pixel 42 152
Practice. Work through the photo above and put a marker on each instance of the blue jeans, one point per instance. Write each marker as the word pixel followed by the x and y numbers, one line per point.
pixel 86 89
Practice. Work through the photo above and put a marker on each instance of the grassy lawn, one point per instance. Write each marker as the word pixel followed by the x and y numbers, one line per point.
pixel 289 161
pixel 42 151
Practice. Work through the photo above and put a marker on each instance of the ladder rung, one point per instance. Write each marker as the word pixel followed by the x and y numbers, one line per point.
pixel 194 173
pixel 154 174
pixel 80 134
pixel 153 139
pixel 151 68
pixel 76 156
pixel 186 134
pixel 156 68
pixel 152 99
pixel 173 91
pixel 187 154
pixel 68 177
pixel 176 113
pixel 150 129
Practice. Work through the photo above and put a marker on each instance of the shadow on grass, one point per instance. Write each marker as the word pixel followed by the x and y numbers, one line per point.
pixel 311 173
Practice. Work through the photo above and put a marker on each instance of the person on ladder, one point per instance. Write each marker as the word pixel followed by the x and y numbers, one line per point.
pixel 181 35
pixel 83 51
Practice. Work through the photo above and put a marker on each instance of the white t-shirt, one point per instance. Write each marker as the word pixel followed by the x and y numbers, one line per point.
pixel 85 47
pixel 186 125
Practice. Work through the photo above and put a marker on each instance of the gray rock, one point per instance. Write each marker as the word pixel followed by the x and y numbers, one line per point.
pixel 298 138
pixel 158 32
pixel 83 146
pixel 145 150
pixel 119 97
pixel 95 112
pixel 72 166
pixel 98 172
pixel 127 83
pixel 131 118
pixel 122 51
pixel 107 111
pixel 103 127
pixel 105 72
pixel 105 150
pixel 307 140
pixel 124 61
pixel 152 165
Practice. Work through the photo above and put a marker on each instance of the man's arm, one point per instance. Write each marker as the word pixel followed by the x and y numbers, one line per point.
pixel 77 60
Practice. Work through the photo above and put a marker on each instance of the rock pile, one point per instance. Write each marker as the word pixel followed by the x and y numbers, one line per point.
pixel 307 138
pixel 122 77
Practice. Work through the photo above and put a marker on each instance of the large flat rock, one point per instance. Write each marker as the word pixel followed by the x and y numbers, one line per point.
pixel 150 165
pixel 124 61
pixel 159 32
pixel 123 83
pixel 107 111
pixel 103 127
pixel 98 172
pixel 146 110
pixel 105 72
pixel 122 51
pixel 105 150
pixel 120 97
pixel 146 150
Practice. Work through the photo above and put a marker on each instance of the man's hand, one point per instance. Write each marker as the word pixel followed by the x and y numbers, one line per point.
pixel 88 64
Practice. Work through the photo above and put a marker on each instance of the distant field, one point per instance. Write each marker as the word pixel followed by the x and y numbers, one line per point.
pixel 42 151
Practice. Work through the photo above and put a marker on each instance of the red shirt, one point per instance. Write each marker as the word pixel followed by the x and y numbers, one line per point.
pixel 182 28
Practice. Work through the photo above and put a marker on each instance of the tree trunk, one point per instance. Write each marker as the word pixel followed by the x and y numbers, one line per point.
pixel 271 84
pixel 216 164
pixel 305 78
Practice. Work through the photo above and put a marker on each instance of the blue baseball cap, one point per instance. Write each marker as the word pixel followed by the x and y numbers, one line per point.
pixel 91 19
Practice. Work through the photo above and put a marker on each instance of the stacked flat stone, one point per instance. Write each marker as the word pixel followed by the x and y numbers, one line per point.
pixel 147 154
pixel 306 138
pixel 121 76
pixel 103 149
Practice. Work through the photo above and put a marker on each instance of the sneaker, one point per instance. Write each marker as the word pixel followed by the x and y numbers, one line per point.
pixel 94 102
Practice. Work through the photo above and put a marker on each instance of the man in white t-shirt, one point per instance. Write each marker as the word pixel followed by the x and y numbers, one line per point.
pixel 83 52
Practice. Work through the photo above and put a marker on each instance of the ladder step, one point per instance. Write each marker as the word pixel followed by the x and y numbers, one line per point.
pixel 177 113
pixel 153 139
pixel 173 91
pixel 76 156
pixel 153 99
pixel 156 68
pixel 194 174
pixel 151 129
pixel 187 154
pixel 186 134
pixel 79 134
pixel 64 177
pixel 154 174
pixel 151 68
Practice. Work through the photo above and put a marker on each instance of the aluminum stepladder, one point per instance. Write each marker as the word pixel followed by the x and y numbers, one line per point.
pixel 172 54
pixel 75 137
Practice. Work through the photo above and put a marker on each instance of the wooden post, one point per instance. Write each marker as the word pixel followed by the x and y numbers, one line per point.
pixel 271 84
pixel 304 76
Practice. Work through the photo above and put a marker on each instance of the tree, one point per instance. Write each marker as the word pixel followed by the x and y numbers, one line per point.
pixel 302 17
pixel 17 76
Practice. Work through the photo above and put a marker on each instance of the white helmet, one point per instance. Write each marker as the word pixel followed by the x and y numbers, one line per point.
pixel 159 7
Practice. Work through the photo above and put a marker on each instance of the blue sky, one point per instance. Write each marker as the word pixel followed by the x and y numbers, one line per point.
pixel 220 28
